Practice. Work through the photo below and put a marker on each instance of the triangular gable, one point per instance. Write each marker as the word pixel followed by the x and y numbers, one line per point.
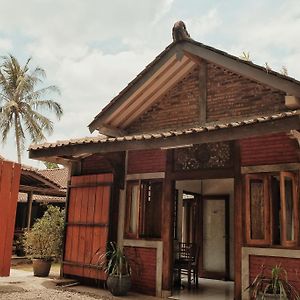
pixel 171 66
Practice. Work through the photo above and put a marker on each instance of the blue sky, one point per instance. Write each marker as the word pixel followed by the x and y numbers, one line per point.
pixel 91 49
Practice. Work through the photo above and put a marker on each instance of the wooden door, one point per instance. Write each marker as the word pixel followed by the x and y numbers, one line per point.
pixel 214 261
pixel 87 226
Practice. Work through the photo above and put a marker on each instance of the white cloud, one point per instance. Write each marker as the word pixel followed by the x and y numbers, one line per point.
pixel 66 38
pixel 91 49
pixel 270 33
pixel 204 25
pixel 5 45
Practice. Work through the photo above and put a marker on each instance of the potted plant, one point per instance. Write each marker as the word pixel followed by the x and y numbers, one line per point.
pixel 275 286
pixel 115 264
pixel 43 242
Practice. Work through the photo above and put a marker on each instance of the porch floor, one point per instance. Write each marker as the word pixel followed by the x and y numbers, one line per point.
pixel 207 289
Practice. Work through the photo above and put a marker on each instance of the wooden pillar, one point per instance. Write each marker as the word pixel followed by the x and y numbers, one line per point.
pixel 29 209
pixel 167 229
pixel 74 168
pixel 202 91
pixel 238 225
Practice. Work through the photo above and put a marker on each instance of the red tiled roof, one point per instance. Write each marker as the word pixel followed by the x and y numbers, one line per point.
pixel 58 175
pixel 165 134
pixel 41 198
pixel 37 172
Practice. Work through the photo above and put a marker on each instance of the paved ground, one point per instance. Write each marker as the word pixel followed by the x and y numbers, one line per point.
pixel 23 285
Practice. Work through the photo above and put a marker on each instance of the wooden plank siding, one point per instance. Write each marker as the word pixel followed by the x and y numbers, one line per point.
pixel 9 189
pixel 87 228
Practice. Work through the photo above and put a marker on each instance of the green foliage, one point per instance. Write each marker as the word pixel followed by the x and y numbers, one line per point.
pixel 51 165
pixel 22 103
pixel 114 262
pixel 44 240
pixel 276 284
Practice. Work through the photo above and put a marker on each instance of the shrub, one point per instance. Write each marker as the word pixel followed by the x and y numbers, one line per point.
pixel 44 240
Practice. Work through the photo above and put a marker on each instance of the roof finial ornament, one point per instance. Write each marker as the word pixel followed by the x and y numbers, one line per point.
pixel 179 32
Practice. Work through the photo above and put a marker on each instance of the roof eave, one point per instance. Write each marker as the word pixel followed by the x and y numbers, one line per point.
pixel 234 131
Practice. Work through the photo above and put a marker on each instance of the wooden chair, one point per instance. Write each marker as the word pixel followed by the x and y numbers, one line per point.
pixel 186 261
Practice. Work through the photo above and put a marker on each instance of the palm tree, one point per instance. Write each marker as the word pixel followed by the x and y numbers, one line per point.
pixel 22 102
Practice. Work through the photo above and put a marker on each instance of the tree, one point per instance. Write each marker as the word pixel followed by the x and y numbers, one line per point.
pixel 22 103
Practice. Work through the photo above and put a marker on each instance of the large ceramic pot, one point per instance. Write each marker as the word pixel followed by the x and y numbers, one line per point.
pixel 119 286
pixel 41 267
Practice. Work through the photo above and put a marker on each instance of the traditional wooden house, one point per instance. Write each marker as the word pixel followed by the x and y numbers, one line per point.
pixel 201 147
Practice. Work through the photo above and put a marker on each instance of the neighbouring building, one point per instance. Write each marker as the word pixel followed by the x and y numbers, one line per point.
pixel 38 188
pixel 200 147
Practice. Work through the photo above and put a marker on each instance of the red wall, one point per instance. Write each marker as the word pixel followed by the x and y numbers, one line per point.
pixel 271 149
pixel 146 161
pixel 9 188
pixel 143 265
pixel 95 164
pixel 291 265
pixel 230 95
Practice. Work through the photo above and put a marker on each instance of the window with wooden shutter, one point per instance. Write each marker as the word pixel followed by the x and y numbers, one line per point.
pixel 289 209
pixel 257 210
pixel 271 209
pixel 143 209
pixel 132 209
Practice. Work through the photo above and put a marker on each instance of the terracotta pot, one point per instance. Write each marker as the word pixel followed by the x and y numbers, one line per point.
pixel 119 286
pixel 41 267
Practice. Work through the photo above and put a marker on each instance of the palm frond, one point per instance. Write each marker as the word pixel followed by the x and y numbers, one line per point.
pixel 49 105
pixel 36 124
pixel 21 104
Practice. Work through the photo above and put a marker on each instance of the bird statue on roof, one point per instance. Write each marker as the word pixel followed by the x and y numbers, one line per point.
pixel 179 32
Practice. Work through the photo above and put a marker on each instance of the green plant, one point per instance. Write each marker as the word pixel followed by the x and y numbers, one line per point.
pixel 44 240
pixel 276 284
pixel 114 261
pixel 19 243
pixel 51 165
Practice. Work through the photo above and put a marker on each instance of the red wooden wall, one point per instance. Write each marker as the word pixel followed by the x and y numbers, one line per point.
pixel 143 265
pixel 271 149
pixel 146 161
pixel 291 265
pixel 87 224
pixel 9 189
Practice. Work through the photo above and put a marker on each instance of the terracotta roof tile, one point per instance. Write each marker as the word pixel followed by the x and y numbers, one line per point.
pixel 157 135
pixel 41 198
pixel 59 176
